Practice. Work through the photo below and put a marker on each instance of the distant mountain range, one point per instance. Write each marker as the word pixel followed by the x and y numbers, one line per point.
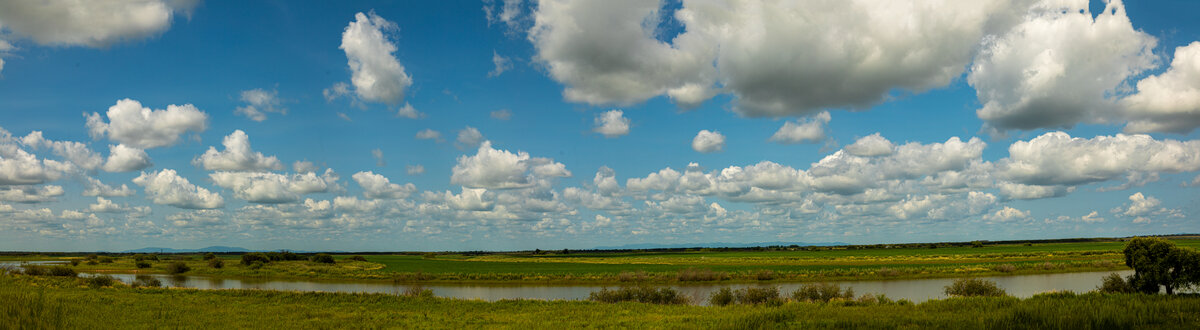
pixel 649 246
pixel 204 249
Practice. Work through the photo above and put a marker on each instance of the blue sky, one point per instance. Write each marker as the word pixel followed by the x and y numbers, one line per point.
pixel 843 122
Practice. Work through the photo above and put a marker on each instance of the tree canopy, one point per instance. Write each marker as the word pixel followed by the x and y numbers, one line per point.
pixel 1159 263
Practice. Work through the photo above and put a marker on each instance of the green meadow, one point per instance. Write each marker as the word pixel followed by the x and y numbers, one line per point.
pixel 777 264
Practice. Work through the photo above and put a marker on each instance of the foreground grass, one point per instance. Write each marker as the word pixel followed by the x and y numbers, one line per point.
pixel 40 302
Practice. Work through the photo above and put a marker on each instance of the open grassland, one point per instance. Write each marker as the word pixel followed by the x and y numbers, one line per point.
pixel 55 302
pixel 795 264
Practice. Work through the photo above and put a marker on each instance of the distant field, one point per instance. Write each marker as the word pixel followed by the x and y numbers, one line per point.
pixel 819 264
pixel 50 303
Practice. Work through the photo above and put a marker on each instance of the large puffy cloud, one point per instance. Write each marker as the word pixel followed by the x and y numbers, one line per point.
pixel 708 141
pixel 500 169
pixel 1060 66
pixel 89 23
pixel 131 124
pixel 808 131
pixel 265 187
pixel 777 57
pixel 168 188
pixel 377 186
pixel 612 124
pixel 1057 158
pixel 1169 102
pixel 259 102
pixel 237 156
pixel 376 74
pixel 605 54
pixel 122 158
pixel 19 167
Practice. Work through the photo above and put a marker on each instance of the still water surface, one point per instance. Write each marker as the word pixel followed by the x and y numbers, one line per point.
pixel 916 290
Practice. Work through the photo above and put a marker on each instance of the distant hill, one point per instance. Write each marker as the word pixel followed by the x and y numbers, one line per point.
pixel 649 246
pixel 204 249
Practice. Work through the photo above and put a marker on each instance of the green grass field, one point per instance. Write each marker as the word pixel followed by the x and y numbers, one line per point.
pixel 53 303
pixel 592 267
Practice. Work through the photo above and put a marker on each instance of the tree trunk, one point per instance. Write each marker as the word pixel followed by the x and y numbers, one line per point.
pixel 1170 290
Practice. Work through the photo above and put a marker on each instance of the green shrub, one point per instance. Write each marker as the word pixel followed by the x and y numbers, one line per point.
pixel 722 297
pixel 92 262
pixel 284 256
pixel 216 263
pixel 146 281
pixel 209 256
pixel 417 291
pixel 821 292
pixel 100 281
pixel 142 264
pixel 145 257
pixel 75 262
pixel 756 296
pixel 1114 283
pixel 255 265
pixel 323 258
pixel 973 287
pixel 251 258
pixel 357 258
pixel 429 255
pixel 105 260
pixel 35 270
pixel 92 256
pixel 1005 268
pixel 178 267
pixel 642 294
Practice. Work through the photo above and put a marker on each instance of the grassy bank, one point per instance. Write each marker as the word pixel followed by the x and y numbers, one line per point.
pixel 46 302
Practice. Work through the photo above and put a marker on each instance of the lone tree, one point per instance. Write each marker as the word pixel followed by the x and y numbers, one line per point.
pixel 1158 262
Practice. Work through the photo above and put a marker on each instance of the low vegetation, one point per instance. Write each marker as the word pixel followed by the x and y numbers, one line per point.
pixel 46 302
pixel 641 294
pixel 974 287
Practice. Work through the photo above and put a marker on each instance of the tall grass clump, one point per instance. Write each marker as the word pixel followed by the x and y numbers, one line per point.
pixel 216 263
pixel 639 276
pixel 146 281
pixel 100 281
pixel 178 267
pixel 974 287
pixel 416 291
pixel 695 274
pixel 821 292
pixel 1114 283
pixel 1005 268
pixel 145 257
pixel 746 296
pixel 209 256
pixel 642 294
pixel 357 258
pixel 142 264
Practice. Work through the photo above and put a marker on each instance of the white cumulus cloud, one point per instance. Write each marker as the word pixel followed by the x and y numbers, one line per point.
pixel 131 124
pixel 165 187
pixel 237 156
pixel 612 124
pixel 708 141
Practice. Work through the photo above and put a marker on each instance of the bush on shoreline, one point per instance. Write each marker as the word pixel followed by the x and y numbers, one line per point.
pixel 642 294
pixel 974 287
